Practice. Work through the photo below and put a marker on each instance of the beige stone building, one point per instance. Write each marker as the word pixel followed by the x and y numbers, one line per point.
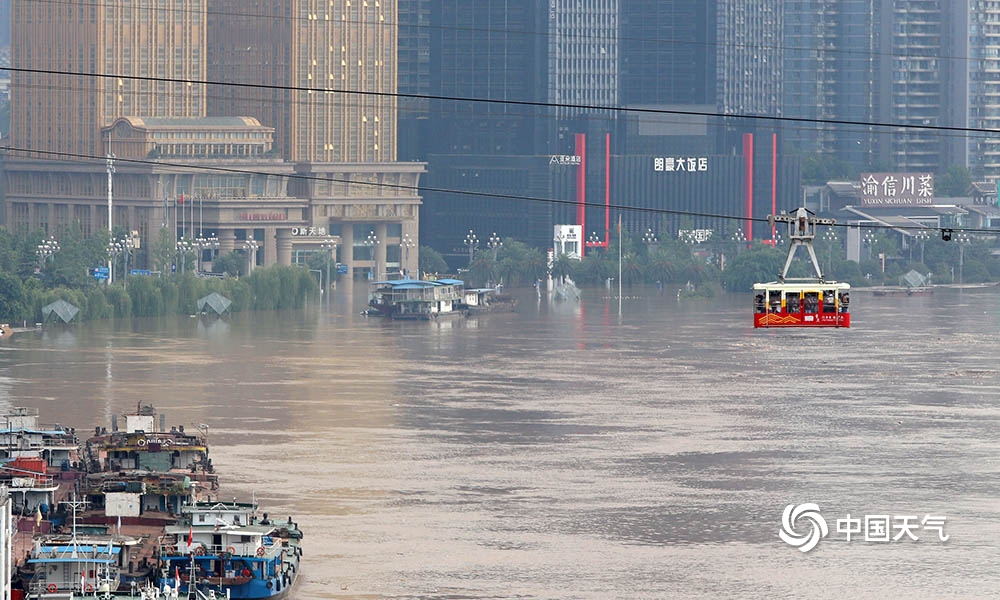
pixel 271 122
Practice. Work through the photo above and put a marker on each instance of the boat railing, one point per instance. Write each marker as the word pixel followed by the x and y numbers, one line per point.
pixel 20 482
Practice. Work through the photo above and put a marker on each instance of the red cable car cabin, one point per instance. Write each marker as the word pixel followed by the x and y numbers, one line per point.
pixel 803 302
pixel 810 304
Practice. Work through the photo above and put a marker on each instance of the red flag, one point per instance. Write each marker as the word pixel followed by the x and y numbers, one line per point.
pixel 190 537
pixel 181 199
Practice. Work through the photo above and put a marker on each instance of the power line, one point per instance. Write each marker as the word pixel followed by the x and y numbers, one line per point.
pixel 491 101
pixel 80 157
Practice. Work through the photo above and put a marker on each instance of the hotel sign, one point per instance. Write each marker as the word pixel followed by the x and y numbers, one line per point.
pixel 674 164
pixel 570 160
pixel 897 189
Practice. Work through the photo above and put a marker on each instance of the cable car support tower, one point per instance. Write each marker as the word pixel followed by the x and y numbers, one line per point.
pixel 801 231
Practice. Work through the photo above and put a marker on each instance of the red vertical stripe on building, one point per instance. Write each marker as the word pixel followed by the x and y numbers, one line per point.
pixel 774 179
pixel 581 182
pixel 748 182
pixel 607 189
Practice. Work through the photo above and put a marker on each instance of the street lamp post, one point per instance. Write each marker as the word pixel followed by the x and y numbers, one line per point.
pixel 870 239
pixel 922 236
pixel 128 245
pixel 183 247
pixel 114 249
pixel 331 252
pixel 405 243
pixel 204 243
pixel 251 245
pixel 649 238
pixel 740 238
pixel 46 249
pixel 472 242
pixel 830 236
pixel 962 238
pixel 372 242
pixel 593 239
pixel 494 243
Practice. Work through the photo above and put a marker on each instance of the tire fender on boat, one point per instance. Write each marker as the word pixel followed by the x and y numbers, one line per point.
pixel 88 588
pixel 261 551
pixel 231 550
pixel 52 588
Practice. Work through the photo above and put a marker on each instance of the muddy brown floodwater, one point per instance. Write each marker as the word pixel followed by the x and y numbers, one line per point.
pixel 562 451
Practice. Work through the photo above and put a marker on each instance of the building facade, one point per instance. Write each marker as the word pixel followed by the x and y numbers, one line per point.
pixel 295 101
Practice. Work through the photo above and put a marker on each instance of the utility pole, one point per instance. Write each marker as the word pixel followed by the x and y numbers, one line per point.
pixel 111 233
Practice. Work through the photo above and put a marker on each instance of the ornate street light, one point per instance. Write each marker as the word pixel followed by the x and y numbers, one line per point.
pixel 183 246
pixel 593 239
pixel 922 236
pixel 649 238
pixel 870 239
pixel 331 252
pixel 830 236
pixel 494 243
pixel 372 242
pixel 962 238
pixel 128 245
pixel 251 245
pixel 472 242
pixel 739 237
pixel 46 249
pixel 203 244
pixel 405 243
pixel 115 248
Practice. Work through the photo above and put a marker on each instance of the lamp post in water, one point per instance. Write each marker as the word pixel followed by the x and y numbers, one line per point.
pixel 405 243
pixel 331 252
pixel 372 242
pixel 962 238
pixel 251 245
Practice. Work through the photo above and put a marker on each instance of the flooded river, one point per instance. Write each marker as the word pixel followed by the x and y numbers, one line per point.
pixel 564 451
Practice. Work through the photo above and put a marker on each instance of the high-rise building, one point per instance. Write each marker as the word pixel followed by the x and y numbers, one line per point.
pixel 414 77
pixel 749 57
pixel 327 73
pixel 324 76
pixel 667 52
pixel 102 45
pixel 830 62
pixel 300 113
pixel 490 54
pixel 976 61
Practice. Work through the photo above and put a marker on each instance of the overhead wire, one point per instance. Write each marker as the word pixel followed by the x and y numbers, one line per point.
pixel 940 130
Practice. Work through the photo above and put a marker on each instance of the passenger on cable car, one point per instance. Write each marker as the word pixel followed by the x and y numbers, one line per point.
pixel 792 303
pixel 758 303
pixel 845 300
pixel 812 302
pixel 776 302
pixel 829 301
